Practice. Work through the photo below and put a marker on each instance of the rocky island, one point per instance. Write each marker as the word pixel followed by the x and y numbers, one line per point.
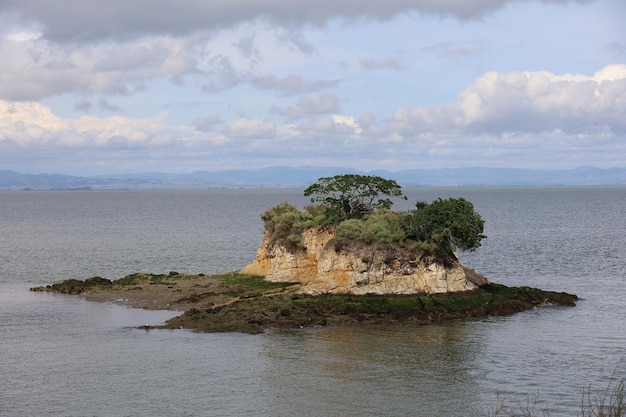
pixel 347 260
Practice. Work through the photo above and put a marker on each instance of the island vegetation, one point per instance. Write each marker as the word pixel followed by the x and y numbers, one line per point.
pixel 358 207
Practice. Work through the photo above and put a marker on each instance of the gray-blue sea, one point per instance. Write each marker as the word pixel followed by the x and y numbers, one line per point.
pixel 64 356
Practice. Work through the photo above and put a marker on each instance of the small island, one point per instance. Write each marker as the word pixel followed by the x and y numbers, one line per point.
pixel 346 259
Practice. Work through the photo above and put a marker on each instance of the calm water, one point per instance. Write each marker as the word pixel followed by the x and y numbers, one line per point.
pixel 63 356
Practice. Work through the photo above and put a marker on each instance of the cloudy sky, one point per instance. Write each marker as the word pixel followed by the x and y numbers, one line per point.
pixel 122 86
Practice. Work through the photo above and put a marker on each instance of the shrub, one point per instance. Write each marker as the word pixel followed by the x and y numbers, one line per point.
pixel 286 224
pixel 380 228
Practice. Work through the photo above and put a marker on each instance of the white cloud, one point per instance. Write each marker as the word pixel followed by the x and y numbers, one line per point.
pixel 32 126
pixel 530 102
pixel 348 121
pixel 611 73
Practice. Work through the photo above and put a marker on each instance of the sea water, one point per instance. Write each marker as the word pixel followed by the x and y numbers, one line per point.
pixel 64 356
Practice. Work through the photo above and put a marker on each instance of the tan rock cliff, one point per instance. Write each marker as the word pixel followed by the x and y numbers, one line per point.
pixel 360 269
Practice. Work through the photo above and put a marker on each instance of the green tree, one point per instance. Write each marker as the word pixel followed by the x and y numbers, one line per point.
pixel 352 196
pixel 450 224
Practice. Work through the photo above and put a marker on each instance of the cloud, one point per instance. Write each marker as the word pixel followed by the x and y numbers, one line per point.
pixel 33 126
pixel 615 50
pixel 83 105
pixel 295 37
pixel 250 128
pixel 500 118
pixel 247 47
pixel 23 36
pixel 450 50
pixel 527 102
pixel 207 123
pixel 495 105
pixel 347 121
pixel 94 20
pixel 105 105
pixel 291 84
pixel 389 64
pixel 220 74
pixel 366 120
pixel 311 106
pixel 38 69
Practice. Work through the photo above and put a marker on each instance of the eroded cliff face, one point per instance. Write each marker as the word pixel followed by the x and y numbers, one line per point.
pixel 359 269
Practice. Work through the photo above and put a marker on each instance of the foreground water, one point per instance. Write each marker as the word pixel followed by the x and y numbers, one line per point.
pixel 63 356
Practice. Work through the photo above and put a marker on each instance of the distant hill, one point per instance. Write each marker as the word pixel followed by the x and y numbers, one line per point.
pixel 290 177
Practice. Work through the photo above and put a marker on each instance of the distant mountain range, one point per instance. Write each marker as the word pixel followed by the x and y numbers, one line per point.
pixel 288 177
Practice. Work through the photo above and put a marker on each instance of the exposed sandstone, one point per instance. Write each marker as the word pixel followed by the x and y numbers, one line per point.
pixel 359 269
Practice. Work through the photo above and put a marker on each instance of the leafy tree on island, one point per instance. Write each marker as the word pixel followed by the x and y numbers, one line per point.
pixel 450 224
pixel 352 196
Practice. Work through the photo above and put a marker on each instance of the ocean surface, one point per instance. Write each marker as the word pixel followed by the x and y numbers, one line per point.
pixel 63 356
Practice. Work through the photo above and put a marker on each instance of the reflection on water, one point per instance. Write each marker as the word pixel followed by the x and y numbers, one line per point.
pixel 405 369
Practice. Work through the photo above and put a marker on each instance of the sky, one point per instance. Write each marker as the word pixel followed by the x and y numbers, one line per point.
pixel 108 87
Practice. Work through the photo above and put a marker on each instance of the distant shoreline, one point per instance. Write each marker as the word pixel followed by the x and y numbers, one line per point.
pixel 298 177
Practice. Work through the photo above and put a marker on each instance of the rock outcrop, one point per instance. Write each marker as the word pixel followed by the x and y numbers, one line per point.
pixel 359 269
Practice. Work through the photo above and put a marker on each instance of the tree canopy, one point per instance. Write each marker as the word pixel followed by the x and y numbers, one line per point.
pixel 451 224
pixel 354 206
pixel 352 196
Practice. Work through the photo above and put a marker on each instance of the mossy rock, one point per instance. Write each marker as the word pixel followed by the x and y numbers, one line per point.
pixel 75 286
pixel 98 281
pixel 254 314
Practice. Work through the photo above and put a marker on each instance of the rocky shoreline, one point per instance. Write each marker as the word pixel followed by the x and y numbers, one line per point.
pixel 235 302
